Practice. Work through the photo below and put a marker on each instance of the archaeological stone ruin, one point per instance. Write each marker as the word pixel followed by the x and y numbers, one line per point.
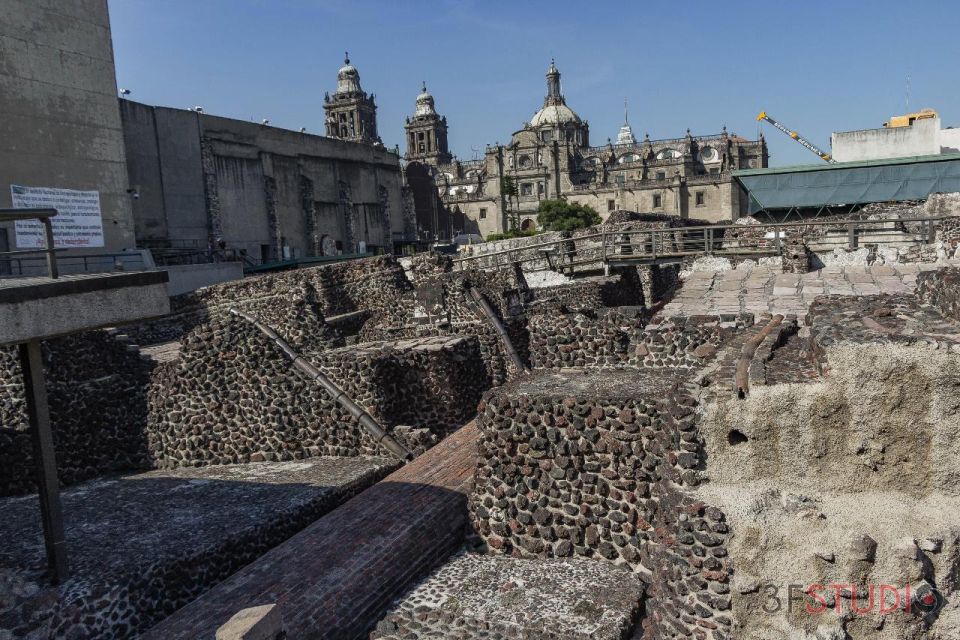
pixel 283 374
pixel 429 447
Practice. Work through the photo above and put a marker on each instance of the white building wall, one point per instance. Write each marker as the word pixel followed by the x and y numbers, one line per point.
pixel 921 139
pixel 950 141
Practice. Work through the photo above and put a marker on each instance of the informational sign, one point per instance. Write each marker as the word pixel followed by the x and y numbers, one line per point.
pixel 78 222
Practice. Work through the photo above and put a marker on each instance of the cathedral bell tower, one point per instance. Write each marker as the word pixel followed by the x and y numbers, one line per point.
pixel 427 133
pixel 351 113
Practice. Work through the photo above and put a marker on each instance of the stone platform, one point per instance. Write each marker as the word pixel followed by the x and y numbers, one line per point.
pixel 432 382
pixel 765 289
pixel 142 545
pixel 40 308
pixel 478 596
pixel 337 577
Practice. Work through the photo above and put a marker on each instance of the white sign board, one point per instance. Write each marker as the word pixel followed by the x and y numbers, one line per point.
pixel 78 222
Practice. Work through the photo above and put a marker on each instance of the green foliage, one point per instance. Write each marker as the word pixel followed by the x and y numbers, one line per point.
pixel 508 187
pixel 560 215
pixel 512 233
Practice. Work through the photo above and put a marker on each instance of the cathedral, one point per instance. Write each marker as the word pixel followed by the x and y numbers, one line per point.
pixel 551 156
pixel 350 113
pixel 548 157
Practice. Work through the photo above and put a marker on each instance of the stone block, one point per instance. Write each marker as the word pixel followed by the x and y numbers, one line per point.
pixel 254 623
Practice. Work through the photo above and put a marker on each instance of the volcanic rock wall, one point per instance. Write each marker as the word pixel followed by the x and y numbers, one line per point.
pixel 623 289
pixel 230 396
pixel 620 337
pixel 941 289
pixel 599 465
pixel 428 382
pixel 376 285
pixel 233 397
pixel 442 305
pixel 96 389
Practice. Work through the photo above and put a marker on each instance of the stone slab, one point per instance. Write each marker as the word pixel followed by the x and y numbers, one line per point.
pixel 42 308
pixel 140 545
pixel 339 575
pixel 482 596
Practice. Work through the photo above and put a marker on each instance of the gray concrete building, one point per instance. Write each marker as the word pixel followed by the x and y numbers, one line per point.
pixel 551 156
pixel 263 192
pixel 60 134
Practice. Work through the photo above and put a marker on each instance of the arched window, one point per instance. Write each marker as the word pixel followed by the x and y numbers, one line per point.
pixel 628 157
pixel 668 154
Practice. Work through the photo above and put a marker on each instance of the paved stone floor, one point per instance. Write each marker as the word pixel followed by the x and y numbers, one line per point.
pixel 338 576
pixel 199 523
pixel 764 289
pixel 496 597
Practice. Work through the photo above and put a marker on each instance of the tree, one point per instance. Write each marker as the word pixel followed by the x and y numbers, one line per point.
pixel 560 215
pixel 509 188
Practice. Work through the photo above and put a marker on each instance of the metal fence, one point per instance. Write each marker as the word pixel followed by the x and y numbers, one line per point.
pixel 660 245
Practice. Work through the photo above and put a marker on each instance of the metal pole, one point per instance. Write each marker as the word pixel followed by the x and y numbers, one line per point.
pixel 851 236
pixel 31 363
pixel 376 431
pixel 491 315
pixel 51 255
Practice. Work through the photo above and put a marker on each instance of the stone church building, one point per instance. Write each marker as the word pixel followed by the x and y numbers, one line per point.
pixel 551 156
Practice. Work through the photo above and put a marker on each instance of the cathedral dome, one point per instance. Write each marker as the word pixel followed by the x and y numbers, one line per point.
pixel 348 78
pixel 425 106
pixel 554 114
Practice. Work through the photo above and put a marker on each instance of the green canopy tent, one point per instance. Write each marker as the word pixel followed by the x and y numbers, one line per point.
pixel 783 190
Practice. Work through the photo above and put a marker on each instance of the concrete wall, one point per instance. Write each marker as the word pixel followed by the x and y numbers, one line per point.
pixel 190 277
pixel 949 140
pixel 60 126
pixel 919 139
pixel 267 191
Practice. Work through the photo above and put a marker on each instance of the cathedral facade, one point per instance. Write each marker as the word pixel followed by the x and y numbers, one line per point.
pixel 551 156
pixel 351 114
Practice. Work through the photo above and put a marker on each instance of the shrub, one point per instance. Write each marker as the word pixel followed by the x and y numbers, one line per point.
pixel 560 215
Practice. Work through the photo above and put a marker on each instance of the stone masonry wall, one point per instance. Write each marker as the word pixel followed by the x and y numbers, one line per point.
pixel 232 397
pixel 623 289
pixel 941 289
pixel 597 465
pixel 377 285
pixel 426 382
pixel 619 337
pixel 96 389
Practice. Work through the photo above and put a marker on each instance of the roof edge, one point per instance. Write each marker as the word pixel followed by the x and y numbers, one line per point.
pixel 942 157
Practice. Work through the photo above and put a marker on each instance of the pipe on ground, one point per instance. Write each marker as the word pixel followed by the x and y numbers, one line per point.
pixel 369 424
pixel 491 315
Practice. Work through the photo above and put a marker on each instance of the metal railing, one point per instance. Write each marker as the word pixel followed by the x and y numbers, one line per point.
pixel 666 244
pixel 89 263
pixel 43 215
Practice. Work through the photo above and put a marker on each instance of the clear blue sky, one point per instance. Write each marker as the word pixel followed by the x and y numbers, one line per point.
pixel 816 66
